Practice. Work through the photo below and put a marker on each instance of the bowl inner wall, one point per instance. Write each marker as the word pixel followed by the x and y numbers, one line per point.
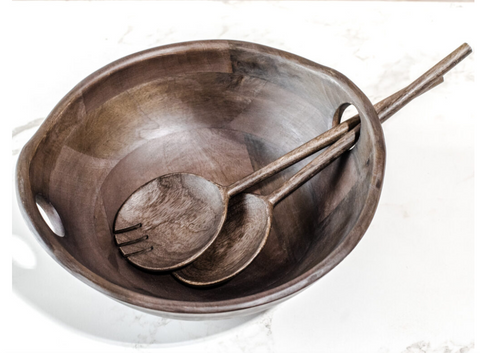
pixel 221 118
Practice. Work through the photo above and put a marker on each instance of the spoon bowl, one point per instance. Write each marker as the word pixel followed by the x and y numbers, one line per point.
pixel 242 237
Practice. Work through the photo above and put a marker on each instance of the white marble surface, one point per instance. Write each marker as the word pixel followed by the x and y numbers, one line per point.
pixel 408 286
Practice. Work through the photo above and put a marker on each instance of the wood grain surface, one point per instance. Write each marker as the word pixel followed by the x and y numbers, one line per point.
pixel 221 110
pixel 163 209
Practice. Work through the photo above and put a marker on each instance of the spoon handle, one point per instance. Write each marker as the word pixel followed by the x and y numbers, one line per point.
pixel 428 80
pixel 346 142
pixel 385 109
pixel 294 156
pixel 312 146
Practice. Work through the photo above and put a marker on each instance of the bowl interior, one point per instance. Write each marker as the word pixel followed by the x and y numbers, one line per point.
pixel 220 110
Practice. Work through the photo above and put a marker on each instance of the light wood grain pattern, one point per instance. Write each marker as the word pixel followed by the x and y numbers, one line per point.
pixel 164 208
pixel 237 244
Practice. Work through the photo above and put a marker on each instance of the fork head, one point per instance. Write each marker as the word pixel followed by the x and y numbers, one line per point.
pixel 131 246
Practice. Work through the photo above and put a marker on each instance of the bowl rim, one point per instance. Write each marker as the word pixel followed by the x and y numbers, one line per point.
pixel 279 293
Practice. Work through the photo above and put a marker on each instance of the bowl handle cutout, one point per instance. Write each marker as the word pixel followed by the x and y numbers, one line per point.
pixel 50 215
pixel 337 117
pixel 345 111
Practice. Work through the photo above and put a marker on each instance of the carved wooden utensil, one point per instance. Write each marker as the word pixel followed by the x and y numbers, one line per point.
pixel 249 218
pixel 180 214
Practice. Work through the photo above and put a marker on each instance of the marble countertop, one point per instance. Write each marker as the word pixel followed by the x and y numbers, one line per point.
pixel 407 287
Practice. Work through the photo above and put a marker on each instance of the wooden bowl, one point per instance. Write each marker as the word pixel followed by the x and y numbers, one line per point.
pixel 220 109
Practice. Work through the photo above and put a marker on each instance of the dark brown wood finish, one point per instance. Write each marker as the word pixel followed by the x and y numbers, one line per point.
pixel 221 110
pixel 248 221
pixel 171 220
pixel 248 224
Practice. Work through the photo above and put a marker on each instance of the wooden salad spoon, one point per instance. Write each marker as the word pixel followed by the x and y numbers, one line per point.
pixel 180 214
pixel 249 218
pixel 172 219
